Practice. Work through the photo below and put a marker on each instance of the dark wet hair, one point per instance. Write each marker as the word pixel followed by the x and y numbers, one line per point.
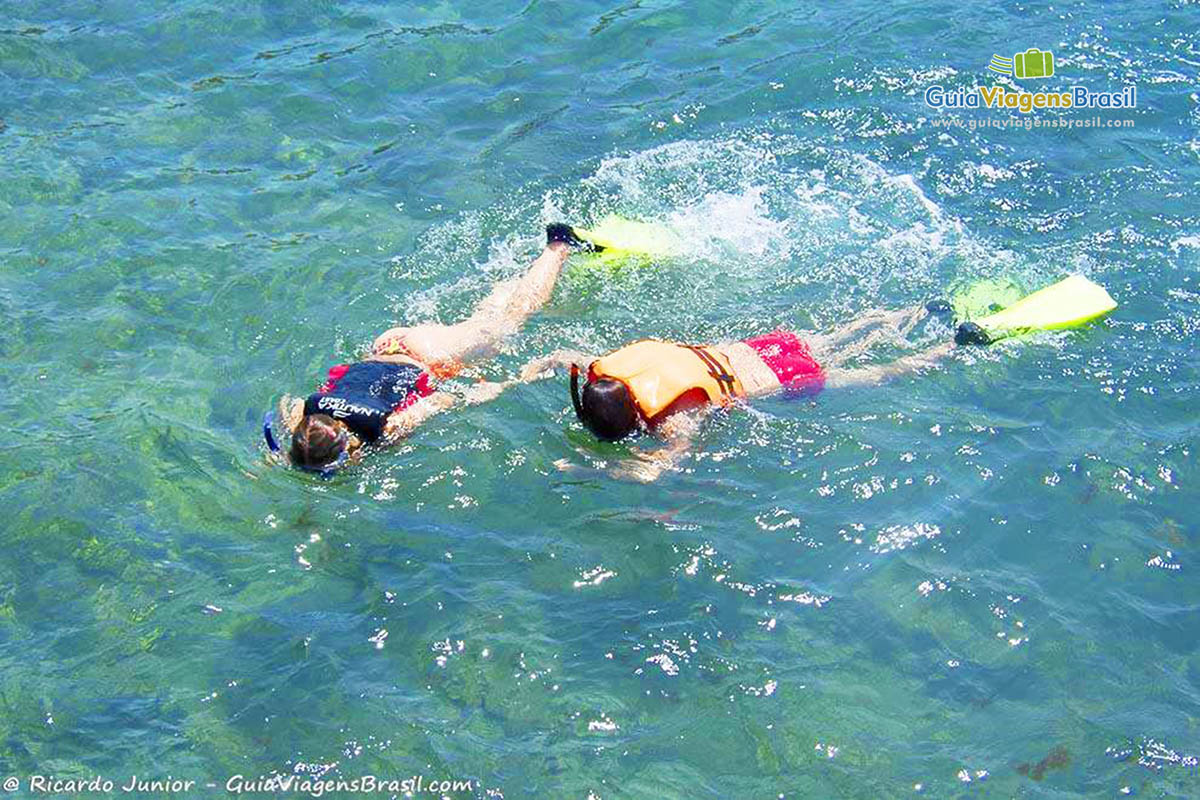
pixel 317 442
pixel 607 409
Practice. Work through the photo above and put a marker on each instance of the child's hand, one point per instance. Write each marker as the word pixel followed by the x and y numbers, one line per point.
pixel 544 367
pixel 441 401
pixel 291 412
pixel 536 370
pixel 482 392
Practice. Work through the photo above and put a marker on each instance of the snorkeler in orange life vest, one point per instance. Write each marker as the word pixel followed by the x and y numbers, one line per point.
pixel 651 385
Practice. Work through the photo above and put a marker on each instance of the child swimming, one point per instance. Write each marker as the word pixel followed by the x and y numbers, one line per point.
pixel 394 389
pixel 659 386
pixel 664 387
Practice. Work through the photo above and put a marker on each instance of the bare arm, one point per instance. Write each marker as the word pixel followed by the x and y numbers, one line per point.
pixel 544 367
pixel 678 431
pixel 485 391
pixel 291 412
pixel 873 375
pixel 401 423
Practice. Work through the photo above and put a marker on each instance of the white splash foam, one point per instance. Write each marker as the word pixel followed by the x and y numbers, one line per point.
pixel 1185 241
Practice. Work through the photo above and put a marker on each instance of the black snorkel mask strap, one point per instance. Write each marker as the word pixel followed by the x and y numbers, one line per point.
pixel 575 400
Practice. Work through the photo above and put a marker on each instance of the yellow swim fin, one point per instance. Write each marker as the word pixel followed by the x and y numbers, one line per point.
pixel 1069 303
pixel 622 237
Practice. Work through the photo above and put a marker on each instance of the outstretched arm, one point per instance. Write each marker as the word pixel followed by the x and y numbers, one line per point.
pixel 873 375
pixel 647 465
pixel 544 367
pixel 291 412
pixel 402 423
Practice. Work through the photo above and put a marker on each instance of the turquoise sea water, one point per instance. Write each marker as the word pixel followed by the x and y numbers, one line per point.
pixel 974 583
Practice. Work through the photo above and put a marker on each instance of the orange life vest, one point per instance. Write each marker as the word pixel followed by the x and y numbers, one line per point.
pixel 659 373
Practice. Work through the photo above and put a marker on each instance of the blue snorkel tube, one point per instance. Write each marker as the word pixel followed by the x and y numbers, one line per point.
pixel 268 433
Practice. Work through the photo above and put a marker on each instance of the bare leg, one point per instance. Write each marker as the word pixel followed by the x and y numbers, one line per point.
pixel 498 315
pixel 882 372
pixel 867 320
pixel 901 321
pixel 848 342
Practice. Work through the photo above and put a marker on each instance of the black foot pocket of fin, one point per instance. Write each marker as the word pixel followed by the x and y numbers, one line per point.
pixel 971 333
pixel 562 232
pixel 940 308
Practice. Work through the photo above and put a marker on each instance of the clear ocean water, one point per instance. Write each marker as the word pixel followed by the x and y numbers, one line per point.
pixel 979 582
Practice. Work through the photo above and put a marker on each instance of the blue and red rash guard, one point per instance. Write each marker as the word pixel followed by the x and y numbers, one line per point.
pixel 363 395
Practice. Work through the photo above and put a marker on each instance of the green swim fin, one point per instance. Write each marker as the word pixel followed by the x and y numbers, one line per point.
pixel 1069 303
pixel 622 238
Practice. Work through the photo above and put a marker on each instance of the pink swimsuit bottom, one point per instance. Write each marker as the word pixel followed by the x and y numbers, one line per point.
pixel 791 361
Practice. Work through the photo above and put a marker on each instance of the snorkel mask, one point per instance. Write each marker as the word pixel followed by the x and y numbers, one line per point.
pixel 326 471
